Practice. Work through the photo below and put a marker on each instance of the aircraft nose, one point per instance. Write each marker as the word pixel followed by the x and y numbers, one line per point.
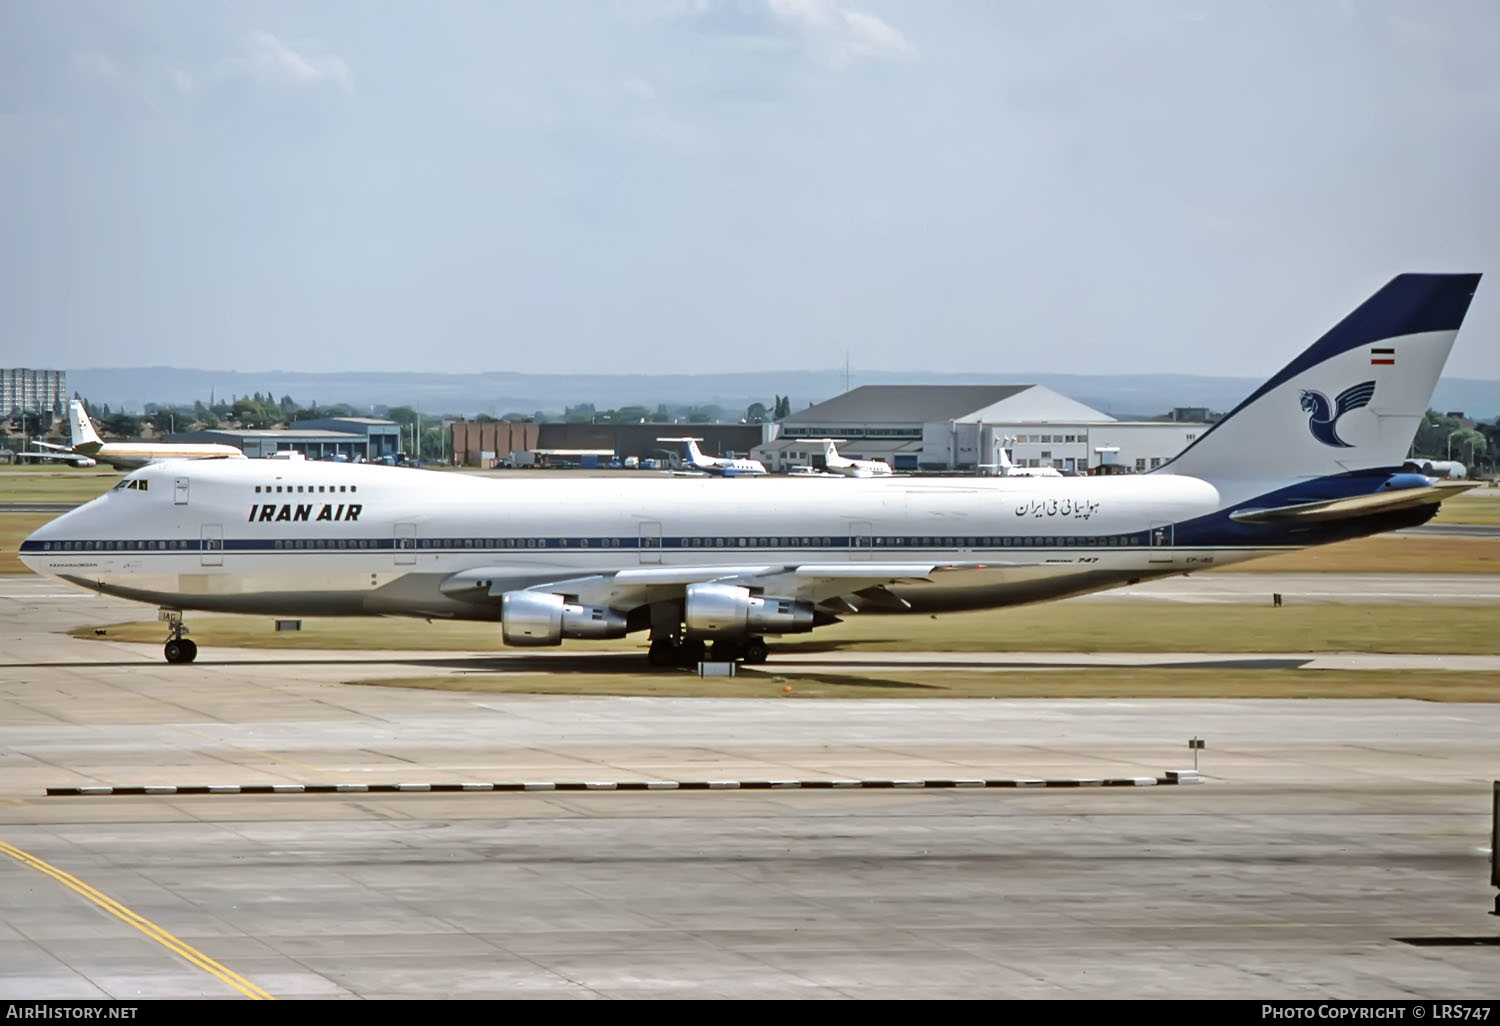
pixel 31 546
pixel 33 550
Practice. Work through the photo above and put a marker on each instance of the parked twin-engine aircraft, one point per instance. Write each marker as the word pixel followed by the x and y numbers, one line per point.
pixel 836 464
pixel 127 455
pixel 718 466
pixel 698 564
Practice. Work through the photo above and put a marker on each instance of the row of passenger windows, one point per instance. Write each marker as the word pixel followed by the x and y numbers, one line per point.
pixel 922 542
pixel 328 543
pixel 523 543
pixel 116 546
pixel 312 489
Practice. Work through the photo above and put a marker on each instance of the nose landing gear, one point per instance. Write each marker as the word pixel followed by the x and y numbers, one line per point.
pixel 178 648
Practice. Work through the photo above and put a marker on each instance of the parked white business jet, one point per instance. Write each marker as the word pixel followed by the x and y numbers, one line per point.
pixel 1008 468
pixel 130 455
pixel 718 466
pixel 696 564
pixel 837 464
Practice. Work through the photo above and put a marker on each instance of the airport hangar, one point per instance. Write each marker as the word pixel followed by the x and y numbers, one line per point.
pixel 355 438
pixel 939 428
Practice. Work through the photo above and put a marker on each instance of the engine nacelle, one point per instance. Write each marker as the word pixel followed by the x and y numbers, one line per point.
pixel 726 610
pixel 543 618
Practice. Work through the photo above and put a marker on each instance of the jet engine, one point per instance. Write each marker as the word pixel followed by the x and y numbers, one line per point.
pixel 543 618
pixel 725 610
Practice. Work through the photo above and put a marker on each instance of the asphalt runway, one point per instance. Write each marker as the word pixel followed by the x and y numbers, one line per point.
pixel 1334 849
pixel 1295 588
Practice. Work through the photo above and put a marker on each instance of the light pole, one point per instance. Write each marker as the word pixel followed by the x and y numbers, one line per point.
pixel 1450 442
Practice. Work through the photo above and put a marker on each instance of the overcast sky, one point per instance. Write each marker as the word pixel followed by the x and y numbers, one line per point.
pixel 1002 186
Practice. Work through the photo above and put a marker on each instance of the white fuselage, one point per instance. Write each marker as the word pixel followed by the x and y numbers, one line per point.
pixel 859 468
pixel 133 455
pixel 722 464
pixel 291 537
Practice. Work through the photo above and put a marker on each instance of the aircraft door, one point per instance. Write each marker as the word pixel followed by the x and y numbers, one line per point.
pixel 1160 542
pixel 650 541
pixel 180 492
pixel 406 544
pixel 859 539
pixel 212 551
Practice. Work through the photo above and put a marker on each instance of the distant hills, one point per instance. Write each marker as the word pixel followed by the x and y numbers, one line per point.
pixel 1128 396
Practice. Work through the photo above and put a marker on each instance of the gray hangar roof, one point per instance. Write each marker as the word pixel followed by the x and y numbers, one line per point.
pixel 909 404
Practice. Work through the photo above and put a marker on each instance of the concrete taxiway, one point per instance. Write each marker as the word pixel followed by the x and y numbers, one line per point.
pixel 1334 850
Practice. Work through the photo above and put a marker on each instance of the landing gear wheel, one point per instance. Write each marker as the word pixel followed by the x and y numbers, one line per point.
pixel 756 651
pixel 178 648
pixel 662 653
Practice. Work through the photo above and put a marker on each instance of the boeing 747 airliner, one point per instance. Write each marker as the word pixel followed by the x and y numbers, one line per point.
pixel 1313 456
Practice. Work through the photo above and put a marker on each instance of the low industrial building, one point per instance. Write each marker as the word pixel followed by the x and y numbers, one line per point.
pixel 351 438
pixel 963 428
pixel 493 443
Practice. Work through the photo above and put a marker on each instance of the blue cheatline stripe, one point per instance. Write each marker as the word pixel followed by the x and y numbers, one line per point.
pixel 816 784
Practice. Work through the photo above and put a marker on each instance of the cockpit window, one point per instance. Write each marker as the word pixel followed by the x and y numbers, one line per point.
pixel 135 484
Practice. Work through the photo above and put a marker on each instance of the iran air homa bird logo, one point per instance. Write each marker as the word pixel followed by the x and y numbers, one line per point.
pixel 1324 419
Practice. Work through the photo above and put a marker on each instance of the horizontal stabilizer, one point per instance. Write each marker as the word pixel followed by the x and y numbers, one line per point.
pixel 1356 506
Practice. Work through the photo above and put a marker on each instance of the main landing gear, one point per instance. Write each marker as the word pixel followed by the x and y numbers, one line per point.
pixel 692 651
pixel 178 648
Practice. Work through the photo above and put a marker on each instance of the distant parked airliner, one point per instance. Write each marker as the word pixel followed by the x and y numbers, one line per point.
pixel 87 445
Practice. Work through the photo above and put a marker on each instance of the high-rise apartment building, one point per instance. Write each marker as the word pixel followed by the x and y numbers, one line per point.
pixel 24 389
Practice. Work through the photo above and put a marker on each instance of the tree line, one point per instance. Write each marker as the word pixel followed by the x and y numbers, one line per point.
pixel 264 411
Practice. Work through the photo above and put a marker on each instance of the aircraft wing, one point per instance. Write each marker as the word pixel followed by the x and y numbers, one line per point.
pixel 58 453
pixel 50 447
pixel 805 582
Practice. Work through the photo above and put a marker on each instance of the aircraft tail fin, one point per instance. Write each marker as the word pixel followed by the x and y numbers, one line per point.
pixel 1352 401
pixel 1005 463
pixel 85 439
